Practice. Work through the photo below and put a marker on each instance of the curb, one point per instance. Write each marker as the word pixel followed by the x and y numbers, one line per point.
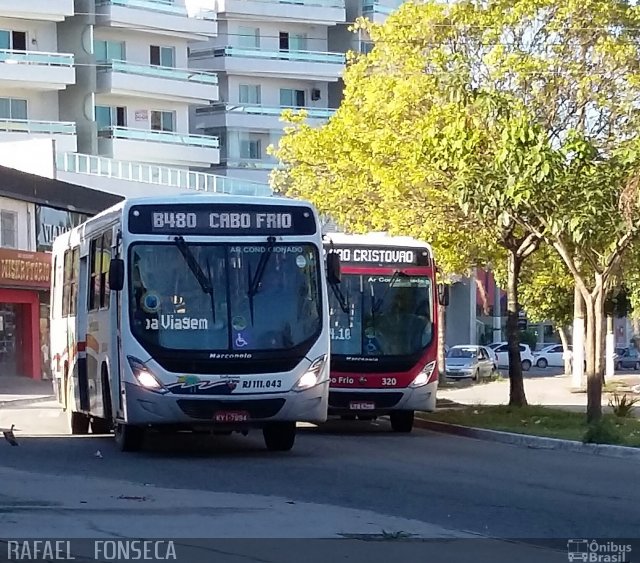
pixel 534 442
pixel 23 402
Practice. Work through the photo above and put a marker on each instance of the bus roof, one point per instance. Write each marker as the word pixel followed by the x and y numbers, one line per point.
pixel 375 239
pixel 118 210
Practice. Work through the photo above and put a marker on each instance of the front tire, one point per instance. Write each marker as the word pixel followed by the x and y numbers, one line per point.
pixel 476 375
pixel 279 436
pixel 542 363
pixel 526 365
pixel 402 421
pixel 129 438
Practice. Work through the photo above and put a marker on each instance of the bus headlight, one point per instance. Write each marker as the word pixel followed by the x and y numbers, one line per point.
pixel 312 376
pixel 423 377
pixel 144 376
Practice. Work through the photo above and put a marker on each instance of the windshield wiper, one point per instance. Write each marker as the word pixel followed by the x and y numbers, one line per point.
pixel 342 301
pixel 194 266
pixel 254 283
pixel 376 306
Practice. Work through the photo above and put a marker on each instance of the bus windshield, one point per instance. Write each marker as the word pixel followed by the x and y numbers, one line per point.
pixel 224 296
pixel 388 315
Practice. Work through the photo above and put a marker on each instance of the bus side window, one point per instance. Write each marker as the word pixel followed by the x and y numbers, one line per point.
pixel 94 279
pixel 73 283
pixel 105 291
pixel 100 255
pixel 66 283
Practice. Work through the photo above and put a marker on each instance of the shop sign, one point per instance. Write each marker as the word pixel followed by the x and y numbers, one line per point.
pixel 19 268
pixel 51 223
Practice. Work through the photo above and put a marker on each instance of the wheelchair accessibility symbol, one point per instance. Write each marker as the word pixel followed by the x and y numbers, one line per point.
pixel 240 341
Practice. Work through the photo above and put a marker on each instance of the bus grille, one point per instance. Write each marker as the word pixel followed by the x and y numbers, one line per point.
pixel 205 409
pixel 381 400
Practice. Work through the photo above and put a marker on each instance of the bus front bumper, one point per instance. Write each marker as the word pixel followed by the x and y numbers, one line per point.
pixel 144 407
pixel 378 402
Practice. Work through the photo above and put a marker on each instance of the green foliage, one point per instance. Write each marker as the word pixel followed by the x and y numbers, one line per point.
pixel 622 406
pixel 604 431
pixel 546 288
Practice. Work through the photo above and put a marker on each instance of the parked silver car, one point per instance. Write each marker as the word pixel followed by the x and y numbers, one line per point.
pixel 469 361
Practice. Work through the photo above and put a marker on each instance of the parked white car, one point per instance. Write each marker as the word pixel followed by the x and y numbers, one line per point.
pixel 552 355
pixel 526 356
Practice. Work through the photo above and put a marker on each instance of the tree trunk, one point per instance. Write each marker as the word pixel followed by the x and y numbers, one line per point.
pixel 610 347
pixel 442 331
pixel 595 314
pixel 599 338
pixel 562 331
pixel 516 384
pixel 577 356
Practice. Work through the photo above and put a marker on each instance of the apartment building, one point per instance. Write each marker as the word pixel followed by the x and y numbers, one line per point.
pixel 269 55
pixel 108 81
pixel 34 71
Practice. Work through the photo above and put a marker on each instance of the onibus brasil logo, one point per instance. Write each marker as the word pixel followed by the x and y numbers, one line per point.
pixel 594 551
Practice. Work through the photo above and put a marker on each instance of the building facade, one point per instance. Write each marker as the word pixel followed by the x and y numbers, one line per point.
pixel 108 81
pixel 268 56
pixel 33 210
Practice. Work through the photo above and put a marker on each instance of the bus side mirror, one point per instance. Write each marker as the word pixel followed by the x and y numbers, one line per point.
pixel 116 274
pixel 443 294
pixel 333 268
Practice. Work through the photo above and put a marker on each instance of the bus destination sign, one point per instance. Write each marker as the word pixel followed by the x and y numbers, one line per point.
pixel 221 219
pixel 383 255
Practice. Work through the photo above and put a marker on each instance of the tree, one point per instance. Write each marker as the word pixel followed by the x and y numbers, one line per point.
pixel 546 293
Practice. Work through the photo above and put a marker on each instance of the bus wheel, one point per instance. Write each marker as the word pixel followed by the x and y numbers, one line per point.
pixel 129 438
pixel 78 421
pixel 279 436
pixel 401 421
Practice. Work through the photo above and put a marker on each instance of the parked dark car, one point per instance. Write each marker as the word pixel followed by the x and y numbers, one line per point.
pixel 627 358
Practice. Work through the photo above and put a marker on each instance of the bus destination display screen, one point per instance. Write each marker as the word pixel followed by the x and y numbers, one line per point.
pixel 221 219
pixel 383 255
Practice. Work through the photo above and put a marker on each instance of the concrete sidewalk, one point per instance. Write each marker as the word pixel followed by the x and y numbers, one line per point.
pixel 552 391
pixel 14 388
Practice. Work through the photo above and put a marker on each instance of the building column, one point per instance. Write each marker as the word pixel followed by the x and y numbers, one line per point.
pixel 473 304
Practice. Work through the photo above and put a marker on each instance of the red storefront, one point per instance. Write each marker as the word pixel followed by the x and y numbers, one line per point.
pixel 24 287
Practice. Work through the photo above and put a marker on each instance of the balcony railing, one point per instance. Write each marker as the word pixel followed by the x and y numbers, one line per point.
pixel 37 127
pixel 320 3
pixel 372 6
pixel 170 73
pixel 159 175
pixel 319 113
pixel 11 56
pixel 164 6
pixel 305 56
pixel 158 137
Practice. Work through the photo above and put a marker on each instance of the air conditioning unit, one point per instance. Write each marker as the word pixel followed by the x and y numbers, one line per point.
pixel 315 94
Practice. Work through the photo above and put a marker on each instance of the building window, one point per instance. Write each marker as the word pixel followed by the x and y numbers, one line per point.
pixel 8 229
pixel 293 41
pixel 100 255
pixel 70 282
pixel 249 37
pixel 163 121
pixel 109 51
pixel 162 56
pixel 250 94
pixel 13 40
pixel 292 98
pixel 251 148
pixel 107 117
pixel 13 108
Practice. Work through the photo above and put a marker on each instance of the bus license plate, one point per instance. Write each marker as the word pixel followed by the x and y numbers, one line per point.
pixel 362 406
pixel 231 416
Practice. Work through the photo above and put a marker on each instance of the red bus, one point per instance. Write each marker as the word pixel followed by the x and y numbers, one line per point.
pixel 383 327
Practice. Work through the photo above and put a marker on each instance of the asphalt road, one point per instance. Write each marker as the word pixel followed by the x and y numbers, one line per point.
pixel 458 483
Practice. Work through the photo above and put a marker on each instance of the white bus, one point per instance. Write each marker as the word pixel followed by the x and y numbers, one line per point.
pixel 192 312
